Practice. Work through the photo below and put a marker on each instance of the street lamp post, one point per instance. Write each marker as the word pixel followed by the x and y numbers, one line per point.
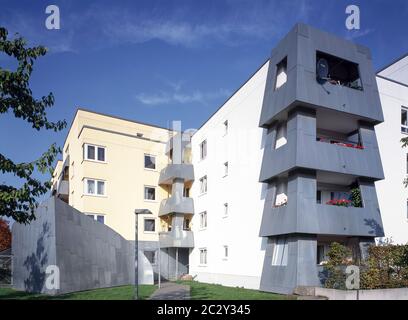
pixel 137 212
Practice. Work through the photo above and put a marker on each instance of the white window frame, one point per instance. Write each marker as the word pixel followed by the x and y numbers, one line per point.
pixel 86 193
pixel 144 161
pixel 86 157
pixel 201 180
pixel 155 193
pixel 203 216
pixel 203 255
pixel 149 218
pixel 203 151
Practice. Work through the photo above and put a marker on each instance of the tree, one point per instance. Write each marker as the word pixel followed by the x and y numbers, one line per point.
pixel 16 96
pixel 5 235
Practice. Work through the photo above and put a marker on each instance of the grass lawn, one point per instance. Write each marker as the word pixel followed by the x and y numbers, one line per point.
pixel 205 291
pixel 115 293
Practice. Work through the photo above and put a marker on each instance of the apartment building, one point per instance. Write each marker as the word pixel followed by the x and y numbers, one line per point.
pixel 254 197
pixel 392 194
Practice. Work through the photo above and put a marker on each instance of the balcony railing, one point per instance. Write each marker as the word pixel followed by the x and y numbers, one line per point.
pixel 176 205
pixel 176 239
pixel 173 171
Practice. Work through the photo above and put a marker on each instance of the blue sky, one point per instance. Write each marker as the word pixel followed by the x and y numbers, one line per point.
pixel 158 61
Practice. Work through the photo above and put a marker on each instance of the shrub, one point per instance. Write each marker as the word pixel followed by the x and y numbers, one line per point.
pixel 386 266
pixel 356 198
pixel 338 258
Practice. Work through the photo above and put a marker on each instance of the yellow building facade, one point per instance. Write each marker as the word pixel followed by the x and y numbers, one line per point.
pixel 110 167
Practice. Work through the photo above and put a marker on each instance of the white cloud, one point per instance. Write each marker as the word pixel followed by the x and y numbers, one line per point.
pixel 167 97
pixel 242 23
pixel 99 25
pixel 355 34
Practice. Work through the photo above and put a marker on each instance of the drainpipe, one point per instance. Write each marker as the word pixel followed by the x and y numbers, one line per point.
pixel 176 263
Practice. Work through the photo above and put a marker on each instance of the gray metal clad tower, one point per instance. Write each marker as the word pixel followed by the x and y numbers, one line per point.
pixel 178 209
pixel 320 106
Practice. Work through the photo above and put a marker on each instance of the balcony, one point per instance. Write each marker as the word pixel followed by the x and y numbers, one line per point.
pixel 176 239
pixel 323 154
pixel 179 205
pixel 63 188
pixel 349 72
pixel 302 212
pixel 176 171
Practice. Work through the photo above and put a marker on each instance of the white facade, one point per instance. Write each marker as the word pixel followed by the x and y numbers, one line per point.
pixel 392 195
pixel 234 198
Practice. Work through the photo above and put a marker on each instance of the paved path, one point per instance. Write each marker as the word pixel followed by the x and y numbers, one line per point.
pixel 171 291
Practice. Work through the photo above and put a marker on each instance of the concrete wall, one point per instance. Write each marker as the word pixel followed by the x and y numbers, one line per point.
pixel 378 294
pixel 88 254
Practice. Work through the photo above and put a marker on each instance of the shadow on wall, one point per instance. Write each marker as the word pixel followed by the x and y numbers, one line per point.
pixel 323 274
pixel 376 228
pixel 36 262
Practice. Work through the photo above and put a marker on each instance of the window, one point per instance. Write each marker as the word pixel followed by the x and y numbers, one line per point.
pixel 281 73
pixel 225 252
pixel 203 256
pixel 337 71
pixel 404 120
pixel 94 153
pixel 281 136
pixel 65 174
pixel 150 193
pixel 151 256
pixel 203 150
pixel 320 254
pixel 225 127
pixel 186 192
pixel 203 185
pixel 149 225
pixel 149 162
pixel 94 187
pixel 225 169
pixel 186 224
pixel 225 209
pixel 97 217
pixel 100 187
pixel 319 197
pixel 203 220
pixel 280 252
